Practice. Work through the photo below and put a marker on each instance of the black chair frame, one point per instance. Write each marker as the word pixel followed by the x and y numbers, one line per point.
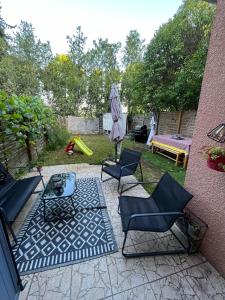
pixel 122 168
pixel 180 215
pixel 186 249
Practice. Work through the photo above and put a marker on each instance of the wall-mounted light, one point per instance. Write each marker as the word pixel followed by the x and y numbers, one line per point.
pixel 218 133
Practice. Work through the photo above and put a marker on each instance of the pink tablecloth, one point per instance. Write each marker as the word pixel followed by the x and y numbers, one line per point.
pixel 184 144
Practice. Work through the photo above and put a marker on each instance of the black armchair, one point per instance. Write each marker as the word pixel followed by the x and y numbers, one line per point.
pixel 157 213
pixel 127 165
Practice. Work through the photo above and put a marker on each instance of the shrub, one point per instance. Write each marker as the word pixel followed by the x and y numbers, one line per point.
pixel 57 137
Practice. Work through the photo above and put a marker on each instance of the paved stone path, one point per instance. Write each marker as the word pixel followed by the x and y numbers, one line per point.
pixel 115 277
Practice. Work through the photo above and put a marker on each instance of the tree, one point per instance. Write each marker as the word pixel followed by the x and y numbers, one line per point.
pixel 131 87
pixel 94 100
pixel 132 61
pixel 103 55
pixel 76 47
pixel 175 58
pixel 134 49
pixel 25 117
pixel 21 66
pixel 26 47
pixel 102 70
pixel 18 77
pixel 61 80
pixel 78 56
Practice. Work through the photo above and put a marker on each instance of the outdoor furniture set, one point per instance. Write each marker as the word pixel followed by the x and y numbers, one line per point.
pixel 157 213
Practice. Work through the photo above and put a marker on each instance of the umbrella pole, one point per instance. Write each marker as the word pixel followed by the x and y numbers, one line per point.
pixel 115 152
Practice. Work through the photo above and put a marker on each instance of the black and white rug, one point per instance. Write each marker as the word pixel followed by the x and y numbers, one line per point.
pixel 88 234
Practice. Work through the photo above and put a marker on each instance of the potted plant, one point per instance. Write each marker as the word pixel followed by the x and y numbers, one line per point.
pixel 215 158
pixel 194 230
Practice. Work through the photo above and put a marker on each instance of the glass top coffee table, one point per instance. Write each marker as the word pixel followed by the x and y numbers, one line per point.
pixel 60 188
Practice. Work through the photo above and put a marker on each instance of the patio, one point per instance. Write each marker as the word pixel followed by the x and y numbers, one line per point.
pixel 114 277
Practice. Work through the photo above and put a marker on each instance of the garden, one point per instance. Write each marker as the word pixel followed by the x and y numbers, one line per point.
pixel 68 227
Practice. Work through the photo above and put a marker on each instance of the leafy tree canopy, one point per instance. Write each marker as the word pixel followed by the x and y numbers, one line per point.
pixel 165 75
pixel 175 58
pixel 134 48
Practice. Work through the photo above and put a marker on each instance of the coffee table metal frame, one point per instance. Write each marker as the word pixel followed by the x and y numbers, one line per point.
pixel 68 189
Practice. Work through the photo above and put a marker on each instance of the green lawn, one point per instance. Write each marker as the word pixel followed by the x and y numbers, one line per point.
pixel 153 165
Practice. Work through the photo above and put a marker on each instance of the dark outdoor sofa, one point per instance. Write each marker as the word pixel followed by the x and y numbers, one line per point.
pixel 14 194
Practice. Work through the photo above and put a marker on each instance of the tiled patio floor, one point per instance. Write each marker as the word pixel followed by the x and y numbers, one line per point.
pixel 115 277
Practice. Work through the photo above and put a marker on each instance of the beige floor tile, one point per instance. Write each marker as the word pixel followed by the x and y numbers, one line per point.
pixel 26 281
pixel 125 273
pixel 174 287
pixel 143 292
pixel 51 284
pixel 90 280
pixel 206 282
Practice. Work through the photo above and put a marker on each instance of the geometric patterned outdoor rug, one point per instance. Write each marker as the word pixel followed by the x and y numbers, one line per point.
pixel 88 234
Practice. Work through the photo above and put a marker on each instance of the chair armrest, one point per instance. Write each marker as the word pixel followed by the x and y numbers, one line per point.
pixel 140 182
pixel 163 214
pixel 125 166
pixel 107 159
pixel 128 165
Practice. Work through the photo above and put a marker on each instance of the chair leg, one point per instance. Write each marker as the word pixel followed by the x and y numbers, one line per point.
pixel 141 172
pixel 118 209
pixel 101 172
pixel 102 176
pixel 43 182
pixel 10 229
pixel 12 232
pixel 153 253
pixel 124 242
pixel 118 188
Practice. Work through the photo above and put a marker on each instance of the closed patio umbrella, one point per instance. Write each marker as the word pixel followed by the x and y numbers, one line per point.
pixel 116 134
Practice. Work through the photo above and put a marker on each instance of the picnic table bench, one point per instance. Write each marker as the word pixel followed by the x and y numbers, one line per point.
pixel 166 145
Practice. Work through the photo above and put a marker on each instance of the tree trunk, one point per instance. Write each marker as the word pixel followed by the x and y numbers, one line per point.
pixel 28 148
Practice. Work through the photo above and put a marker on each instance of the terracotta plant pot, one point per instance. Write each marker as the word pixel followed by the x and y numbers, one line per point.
pixel 215 163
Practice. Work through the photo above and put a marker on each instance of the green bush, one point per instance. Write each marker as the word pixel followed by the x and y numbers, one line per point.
pixel 57 137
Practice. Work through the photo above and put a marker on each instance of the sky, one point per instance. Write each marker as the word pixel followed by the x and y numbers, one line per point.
pixel 53 20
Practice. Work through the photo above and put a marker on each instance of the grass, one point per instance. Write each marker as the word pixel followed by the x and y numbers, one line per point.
pixel 153 165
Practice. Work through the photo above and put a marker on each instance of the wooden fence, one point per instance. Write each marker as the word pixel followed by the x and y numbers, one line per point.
pixel 12 153
pixel 170 122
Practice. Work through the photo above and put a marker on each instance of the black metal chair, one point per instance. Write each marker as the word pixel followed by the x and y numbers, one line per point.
pixel 14 194
pixel 157 213
pixel 127 165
